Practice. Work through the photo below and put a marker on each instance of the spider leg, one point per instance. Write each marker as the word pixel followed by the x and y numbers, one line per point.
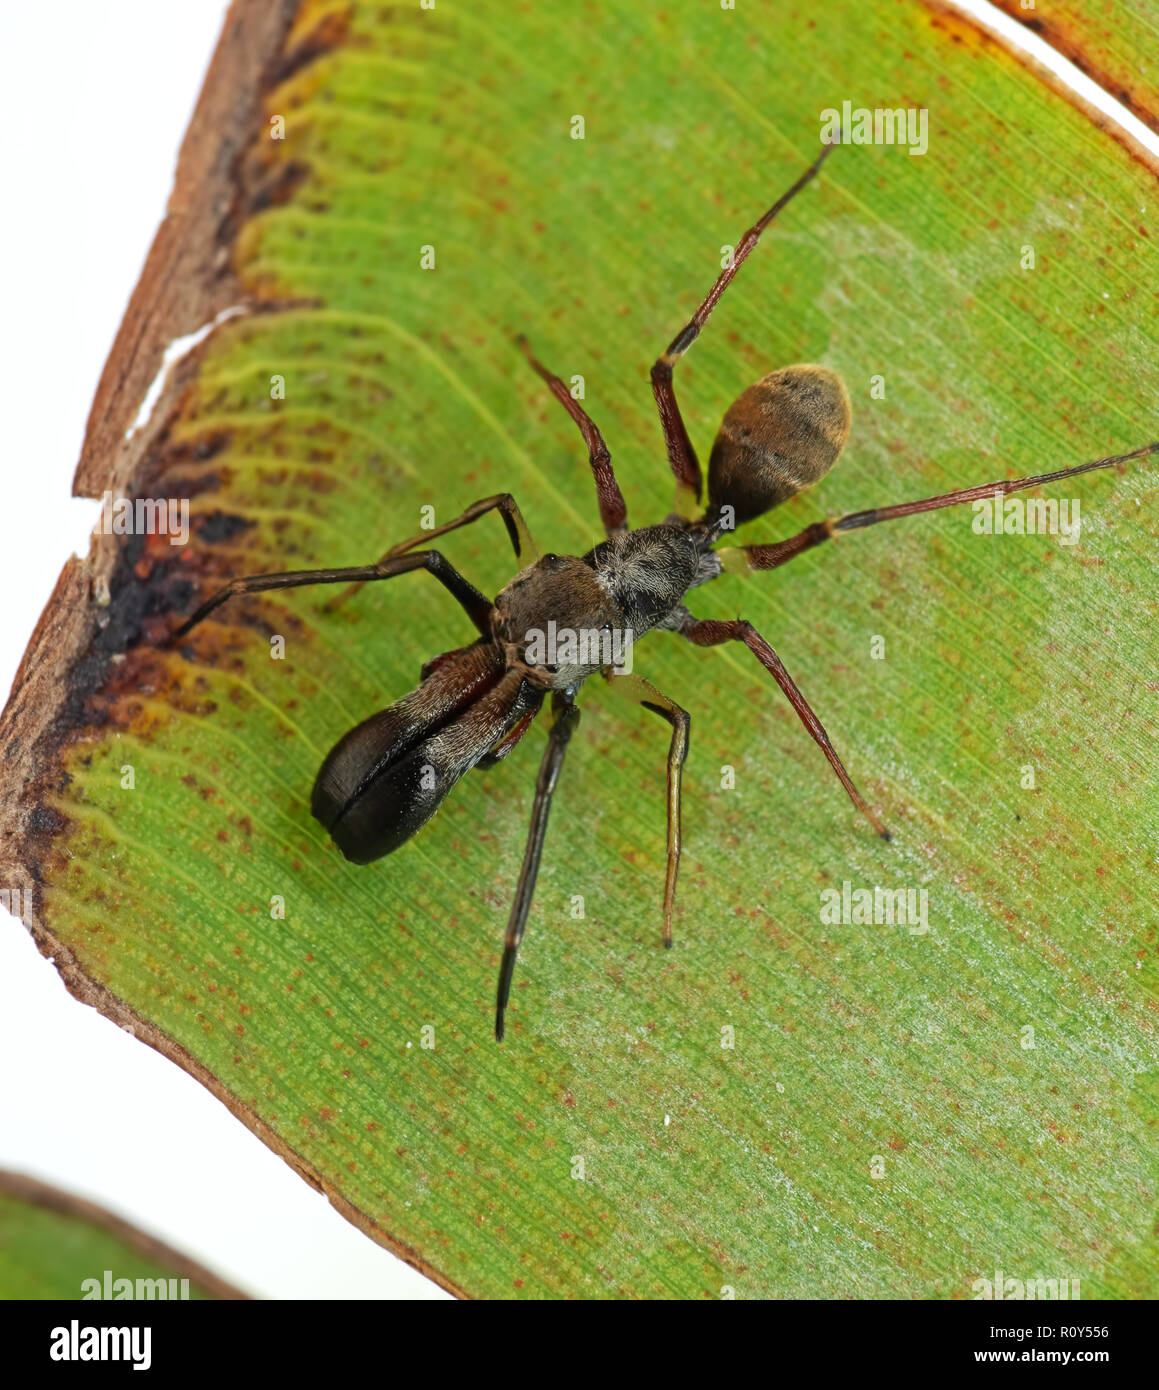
pixel 711 632
pixel 742 559
pixel 645 693
pixel 566 717
pixel 476 605
pixel 681 455
pixel 613 508
pixel 521 542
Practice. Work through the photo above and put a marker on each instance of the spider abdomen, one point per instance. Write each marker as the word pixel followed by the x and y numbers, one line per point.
pixel 782 434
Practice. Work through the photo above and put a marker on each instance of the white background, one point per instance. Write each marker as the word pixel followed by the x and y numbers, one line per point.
pixel 94 102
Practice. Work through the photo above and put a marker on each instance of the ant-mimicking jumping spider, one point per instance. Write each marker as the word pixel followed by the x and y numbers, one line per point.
pixel 388 776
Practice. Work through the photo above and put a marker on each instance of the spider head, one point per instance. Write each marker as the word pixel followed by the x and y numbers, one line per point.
pixel 546 617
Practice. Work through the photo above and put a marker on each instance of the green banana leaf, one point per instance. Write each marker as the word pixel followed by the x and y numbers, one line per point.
pixel 782 1105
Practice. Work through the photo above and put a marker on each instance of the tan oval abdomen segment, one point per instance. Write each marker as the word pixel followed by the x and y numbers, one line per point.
pixel 780 436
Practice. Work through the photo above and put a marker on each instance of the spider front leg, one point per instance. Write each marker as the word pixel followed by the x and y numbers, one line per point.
pixel 681 455
pixel 526 551
pixel 645 693
pixel 711 632
pixel 525 548
pixel 476 605
pixel 565 718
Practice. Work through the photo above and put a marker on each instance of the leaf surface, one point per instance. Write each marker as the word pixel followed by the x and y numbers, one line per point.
pixel 860 1049
pixel 1115 42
